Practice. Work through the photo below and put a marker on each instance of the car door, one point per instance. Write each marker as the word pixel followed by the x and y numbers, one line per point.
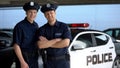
pixel 85 54
pixel 104 51
pixel 79 49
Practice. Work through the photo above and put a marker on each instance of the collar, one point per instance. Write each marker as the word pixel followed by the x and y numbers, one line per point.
pixel 29 22
pixel 56 24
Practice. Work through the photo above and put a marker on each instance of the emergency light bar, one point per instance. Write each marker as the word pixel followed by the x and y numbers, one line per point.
pixel 79 25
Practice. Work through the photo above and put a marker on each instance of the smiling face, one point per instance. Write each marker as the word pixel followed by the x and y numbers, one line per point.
pixel 31 15
pixel 50 16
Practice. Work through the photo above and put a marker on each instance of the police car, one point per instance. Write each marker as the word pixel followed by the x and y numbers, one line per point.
pixel 92 49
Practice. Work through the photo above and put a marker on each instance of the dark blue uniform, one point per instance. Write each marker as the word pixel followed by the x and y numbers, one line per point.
pixel 56 57
pixel 24 36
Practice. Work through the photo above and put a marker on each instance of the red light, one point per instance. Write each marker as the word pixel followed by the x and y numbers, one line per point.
pixel 79 25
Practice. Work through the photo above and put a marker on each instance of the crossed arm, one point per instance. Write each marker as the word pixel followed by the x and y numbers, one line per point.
pixel 54 43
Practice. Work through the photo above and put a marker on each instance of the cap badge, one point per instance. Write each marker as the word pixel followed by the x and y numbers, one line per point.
pixel 48 5
pixel 31 3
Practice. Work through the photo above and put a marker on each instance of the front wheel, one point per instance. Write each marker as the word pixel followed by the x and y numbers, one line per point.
pixel 116 63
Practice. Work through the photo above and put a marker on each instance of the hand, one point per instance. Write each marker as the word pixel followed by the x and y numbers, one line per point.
pixel 43 38
pixel 42 42
pixel 24 65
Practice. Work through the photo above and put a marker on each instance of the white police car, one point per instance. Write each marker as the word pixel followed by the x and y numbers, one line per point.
pixel 92 49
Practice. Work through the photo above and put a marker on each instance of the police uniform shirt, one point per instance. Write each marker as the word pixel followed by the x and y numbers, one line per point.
pixel 24 33
pixel 59 30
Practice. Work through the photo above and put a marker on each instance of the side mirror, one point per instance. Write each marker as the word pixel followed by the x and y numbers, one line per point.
pixel 78 45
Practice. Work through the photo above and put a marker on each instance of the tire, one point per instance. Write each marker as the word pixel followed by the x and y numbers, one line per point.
pixel 116 63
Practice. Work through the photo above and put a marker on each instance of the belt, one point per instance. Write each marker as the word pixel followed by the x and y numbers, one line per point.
pixel 56 58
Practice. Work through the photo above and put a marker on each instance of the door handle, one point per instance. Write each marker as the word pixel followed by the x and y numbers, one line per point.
pixel 110 47
pixel 93 51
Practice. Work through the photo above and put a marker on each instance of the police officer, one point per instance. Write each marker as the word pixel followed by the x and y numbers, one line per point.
pixel 54 38
pixel 24 38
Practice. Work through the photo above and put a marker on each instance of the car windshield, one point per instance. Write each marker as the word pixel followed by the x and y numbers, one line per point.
pixel 6 34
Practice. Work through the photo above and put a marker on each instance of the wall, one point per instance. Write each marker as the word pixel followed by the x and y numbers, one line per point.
pixel 99 17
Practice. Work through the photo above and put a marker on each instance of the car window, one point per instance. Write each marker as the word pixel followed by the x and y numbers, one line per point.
pixel 86 39
pixel 101 39
pixel 117 34
pixel 4 35
pixel 110 32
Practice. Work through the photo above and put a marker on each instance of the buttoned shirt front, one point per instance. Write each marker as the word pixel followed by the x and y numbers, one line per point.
pixel 24 34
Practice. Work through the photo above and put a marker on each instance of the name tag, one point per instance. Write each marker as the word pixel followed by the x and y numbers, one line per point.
pixel 58 35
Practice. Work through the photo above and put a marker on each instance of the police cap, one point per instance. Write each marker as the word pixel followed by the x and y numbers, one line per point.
pixel 48 7
pixel 31 5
